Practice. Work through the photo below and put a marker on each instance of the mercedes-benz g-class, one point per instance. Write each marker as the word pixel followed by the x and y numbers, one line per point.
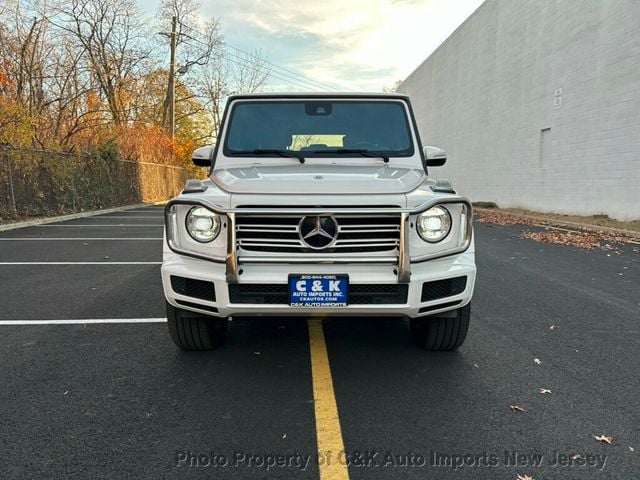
pixel 318 204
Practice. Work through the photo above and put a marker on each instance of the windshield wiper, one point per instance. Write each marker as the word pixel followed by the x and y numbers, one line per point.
pixel 357 151
pixel 274 151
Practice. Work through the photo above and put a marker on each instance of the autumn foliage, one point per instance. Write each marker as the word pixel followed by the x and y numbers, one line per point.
pixel 85 94
pixel 76 76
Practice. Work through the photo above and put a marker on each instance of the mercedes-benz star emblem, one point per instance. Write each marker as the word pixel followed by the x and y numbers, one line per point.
pixel 318 232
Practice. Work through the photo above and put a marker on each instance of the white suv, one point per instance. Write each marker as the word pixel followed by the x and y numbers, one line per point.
pixel 318 204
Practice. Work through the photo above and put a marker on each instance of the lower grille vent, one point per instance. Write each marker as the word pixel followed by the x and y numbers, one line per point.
pixel 191 287
pixel 443 288
pixel 278 294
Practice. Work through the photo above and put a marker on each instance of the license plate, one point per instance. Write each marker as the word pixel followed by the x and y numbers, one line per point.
pixel 318 290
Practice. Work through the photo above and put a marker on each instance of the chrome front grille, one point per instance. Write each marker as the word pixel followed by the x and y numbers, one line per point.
pixel 356 235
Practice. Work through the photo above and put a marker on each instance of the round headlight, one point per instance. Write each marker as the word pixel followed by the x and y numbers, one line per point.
pixel 434 224
pixel 203 225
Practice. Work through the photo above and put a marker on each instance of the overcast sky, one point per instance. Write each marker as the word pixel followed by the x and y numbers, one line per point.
pixel 359 45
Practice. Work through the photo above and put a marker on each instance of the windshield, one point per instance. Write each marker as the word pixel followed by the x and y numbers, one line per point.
pixel 317 128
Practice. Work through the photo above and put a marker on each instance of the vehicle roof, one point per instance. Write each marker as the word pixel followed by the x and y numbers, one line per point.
pixel 299 95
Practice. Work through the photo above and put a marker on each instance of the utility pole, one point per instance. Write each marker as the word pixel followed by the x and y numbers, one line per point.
pixel 169 104
pixel 172 80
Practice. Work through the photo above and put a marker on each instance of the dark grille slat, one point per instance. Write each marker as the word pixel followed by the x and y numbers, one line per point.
pixel 370 219
pixel 360 249
pixel 367 235
pixel 259 294
pixel 378 294
pixel 276 221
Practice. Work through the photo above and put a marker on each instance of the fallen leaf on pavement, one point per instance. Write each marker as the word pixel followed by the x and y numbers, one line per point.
pixel 561 234
pixel 517 409
pixel 497 218
pixel 604 439
pixel 576 456
pixel 586 241
pixel 554 327
pixel 631 449
pixel 545 391
pixel 537 361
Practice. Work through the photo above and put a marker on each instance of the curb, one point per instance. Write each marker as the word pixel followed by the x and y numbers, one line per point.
pixel 73 216
pixel 552 222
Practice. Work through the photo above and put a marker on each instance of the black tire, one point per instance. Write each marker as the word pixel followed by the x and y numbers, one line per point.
pixel 192 331
pixel 441 333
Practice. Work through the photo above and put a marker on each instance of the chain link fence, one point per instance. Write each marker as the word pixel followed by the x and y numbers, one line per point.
pixel 41 183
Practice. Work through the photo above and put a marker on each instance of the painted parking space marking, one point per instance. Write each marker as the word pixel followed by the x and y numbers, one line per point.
pixel 101 225
pixel 79 321
pixel 100 217
pixel 66 239
pixel 147 210
pixel 145 219
pixel 328 430
pixel 80 263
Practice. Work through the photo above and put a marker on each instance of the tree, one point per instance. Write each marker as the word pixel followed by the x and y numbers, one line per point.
pixel 192 118
pixel 77 73
pixel 206 68
pixel 34 55
pixel 193 48
pixel 232 71
pixel 111 36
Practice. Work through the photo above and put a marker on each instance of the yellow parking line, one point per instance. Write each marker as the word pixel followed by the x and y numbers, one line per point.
pixel 328 432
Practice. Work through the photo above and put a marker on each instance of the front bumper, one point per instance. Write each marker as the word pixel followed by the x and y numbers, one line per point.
pixel 454 266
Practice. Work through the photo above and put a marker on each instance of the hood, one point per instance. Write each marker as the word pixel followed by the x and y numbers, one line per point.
pixel 318 179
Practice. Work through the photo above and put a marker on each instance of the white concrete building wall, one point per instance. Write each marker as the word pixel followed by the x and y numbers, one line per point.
pixel 537 103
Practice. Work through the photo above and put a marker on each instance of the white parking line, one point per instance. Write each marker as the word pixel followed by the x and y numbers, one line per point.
pixel 82 321
pixel 80 263
pixel 96 225
pixel 100 217
pixel 27 239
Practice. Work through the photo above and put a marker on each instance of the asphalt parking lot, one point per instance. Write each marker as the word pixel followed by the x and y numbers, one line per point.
pixel 110 396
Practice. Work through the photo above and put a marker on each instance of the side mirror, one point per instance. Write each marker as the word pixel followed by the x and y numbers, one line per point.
pixel 201 157
pixel 436 157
